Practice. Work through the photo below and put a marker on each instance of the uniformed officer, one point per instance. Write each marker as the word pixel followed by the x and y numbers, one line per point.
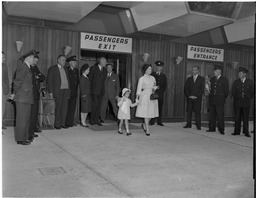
pixel 24 97
pixel 218 93
pixel 161 82
pixel 36 79
pixel 243 92
pixel 73 82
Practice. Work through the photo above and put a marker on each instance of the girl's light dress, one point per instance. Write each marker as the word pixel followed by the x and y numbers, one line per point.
pixel 124 109
pixel 146 108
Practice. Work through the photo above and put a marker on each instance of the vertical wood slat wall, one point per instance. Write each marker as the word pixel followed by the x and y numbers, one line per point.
pixel 50 43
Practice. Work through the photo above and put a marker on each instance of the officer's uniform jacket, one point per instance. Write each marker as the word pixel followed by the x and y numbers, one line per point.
pixel 22 85
pixel 219 90
pixel 242 92
pixel 73 80
pixel 161 81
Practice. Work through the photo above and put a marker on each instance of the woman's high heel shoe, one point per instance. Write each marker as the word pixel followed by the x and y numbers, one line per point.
pixel 81 124
pixel 142 126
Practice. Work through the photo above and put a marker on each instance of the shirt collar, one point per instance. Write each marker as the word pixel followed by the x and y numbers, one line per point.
pixel 59 66
pixel 27 64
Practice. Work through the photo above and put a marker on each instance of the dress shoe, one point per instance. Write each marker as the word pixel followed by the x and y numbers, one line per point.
pixel 64 127
pixel 38 131
pixel 120 132
pixel 151 123
pixel 23 142
pixel 160 124
pixel 101 121
pixel 147 134
pixel 84 125
pixel 128 133
pixel 210 130
pixel 235 133
pixel 99 124
pixel 186 126
pixel 247 135
pixel 57 127
pixel 30 139
pixel 198 128
pixel 35 135
pixel 222 133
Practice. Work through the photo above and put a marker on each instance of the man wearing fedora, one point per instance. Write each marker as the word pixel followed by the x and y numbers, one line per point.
pixel 161 82
pixel 218 93
pixel 24 97
pixel 242 92
pixel 73 82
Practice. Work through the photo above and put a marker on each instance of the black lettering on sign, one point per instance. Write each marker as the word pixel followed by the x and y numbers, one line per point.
pixel 100 46
pixel 86 36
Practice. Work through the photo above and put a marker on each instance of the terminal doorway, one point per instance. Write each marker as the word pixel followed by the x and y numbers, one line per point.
pixel 120 67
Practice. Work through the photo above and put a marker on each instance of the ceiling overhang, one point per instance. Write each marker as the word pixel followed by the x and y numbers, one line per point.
pixel 57 11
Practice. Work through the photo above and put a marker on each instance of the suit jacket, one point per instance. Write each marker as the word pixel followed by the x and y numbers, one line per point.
pixel 5 80
pixel 112 86
pixel 194 88
pixel 97 78
pixel 54 80
pixel 36 82
pixel 161 81
pixel 242 92
pixel 22 85
pixel 73 80
pixel 219 90
pixel 85 86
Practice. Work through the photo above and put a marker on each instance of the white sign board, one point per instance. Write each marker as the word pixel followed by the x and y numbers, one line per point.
pixel 205 53
pixel 106 43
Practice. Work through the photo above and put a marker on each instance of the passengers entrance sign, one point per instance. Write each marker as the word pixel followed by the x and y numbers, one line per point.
pixel 205 53
pixel 106 43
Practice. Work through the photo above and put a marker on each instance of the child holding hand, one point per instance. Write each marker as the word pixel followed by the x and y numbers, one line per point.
pixel 124 105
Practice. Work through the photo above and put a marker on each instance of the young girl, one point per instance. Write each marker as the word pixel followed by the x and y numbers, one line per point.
pixel 124 105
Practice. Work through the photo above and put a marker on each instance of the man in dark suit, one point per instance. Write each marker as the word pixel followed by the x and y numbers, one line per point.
pixel 218 93
pixel 242 92
pixel 24 97
pixel 194 89
pixel 97 76
pixel 5 87
pixel 112 88
pixel 37 78
pixel 58 86
pixel 161 82
pixel 73 82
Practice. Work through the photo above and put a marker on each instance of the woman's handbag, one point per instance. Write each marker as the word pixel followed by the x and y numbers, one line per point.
pixel 154 96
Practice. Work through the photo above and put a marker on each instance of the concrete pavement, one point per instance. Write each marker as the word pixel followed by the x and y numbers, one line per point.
pixel 173 162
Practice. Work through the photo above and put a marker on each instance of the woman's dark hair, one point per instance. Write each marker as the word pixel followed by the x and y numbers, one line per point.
pixel 145 67
pixel 84 67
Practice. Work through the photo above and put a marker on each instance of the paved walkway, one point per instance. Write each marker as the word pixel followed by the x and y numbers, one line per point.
pixel 173 162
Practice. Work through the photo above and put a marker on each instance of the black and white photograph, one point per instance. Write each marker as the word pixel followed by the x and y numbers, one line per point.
pixel 128 99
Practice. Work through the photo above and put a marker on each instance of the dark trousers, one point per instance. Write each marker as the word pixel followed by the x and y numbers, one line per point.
pixel 71 111
pixel 217 111
pixel 21 130
pixel 96 107
pixel 33 118
pixel 104 106
pixel 61 108
pixel 160 110
pixel 194 105
pixel 242 113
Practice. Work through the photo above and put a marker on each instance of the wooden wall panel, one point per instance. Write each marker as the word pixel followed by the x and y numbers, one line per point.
pixel 49 42
pixel 166 52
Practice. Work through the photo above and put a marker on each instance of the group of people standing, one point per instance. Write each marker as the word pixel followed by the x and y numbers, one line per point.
pixel 100 85
pixel 218 88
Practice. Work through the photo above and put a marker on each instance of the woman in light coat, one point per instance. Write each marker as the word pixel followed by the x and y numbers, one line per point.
pixel 146 108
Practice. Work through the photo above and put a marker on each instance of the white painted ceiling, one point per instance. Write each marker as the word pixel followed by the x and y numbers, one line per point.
pixel 163 18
